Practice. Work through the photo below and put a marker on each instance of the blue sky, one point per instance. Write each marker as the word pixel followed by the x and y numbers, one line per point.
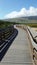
pixel 7 6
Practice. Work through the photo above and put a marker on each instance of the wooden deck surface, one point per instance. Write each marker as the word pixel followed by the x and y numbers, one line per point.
pixel 19 52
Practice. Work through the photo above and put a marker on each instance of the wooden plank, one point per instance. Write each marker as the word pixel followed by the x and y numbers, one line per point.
pixel 19 51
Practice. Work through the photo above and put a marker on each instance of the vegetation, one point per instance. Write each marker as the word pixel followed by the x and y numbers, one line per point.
pixel 4 24
pixel 31 24
pixel 28 24
pixel 25 22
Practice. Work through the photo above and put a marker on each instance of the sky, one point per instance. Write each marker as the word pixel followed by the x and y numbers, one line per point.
pixel 17 8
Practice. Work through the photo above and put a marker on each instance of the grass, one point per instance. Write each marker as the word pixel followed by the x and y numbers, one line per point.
pixel 32 24
pixel 4 24
pixel 28 24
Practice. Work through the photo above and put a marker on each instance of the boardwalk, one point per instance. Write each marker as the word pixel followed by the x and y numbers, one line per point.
pixel 19 52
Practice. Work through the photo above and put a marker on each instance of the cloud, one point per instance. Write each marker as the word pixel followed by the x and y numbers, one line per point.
pixel 32 11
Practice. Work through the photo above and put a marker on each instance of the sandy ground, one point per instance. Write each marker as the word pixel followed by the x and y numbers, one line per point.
pixel 34 29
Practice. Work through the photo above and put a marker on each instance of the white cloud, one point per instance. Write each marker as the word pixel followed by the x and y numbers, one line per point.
pixel 23 12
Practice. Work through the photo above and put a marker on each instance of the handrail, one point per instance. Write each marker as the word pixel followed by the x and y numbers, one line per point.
pixel 32 36
pixel 34 45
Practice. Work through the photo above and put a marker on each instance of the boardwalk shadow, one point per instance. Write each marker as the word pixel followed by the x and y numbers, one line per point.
pixel 8 44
